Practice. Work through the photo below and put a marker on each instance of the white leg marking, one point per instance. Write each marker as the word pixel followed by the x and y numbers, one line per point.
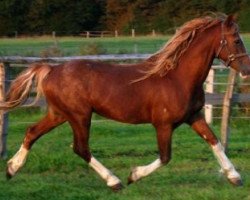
pixel 18 160
pixel 142 171
pixel 104 172
pixel 227 167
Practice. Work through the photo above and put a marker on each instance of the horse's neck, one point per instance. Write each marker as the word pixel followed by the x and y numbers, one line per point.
pixel 196 62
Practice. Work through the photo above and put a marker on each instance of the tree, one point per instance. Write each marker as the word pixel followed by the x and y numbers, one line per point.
pixel 13 16
pixel 244 16
pixel 64 16
pixel 119 14
pixel 71 17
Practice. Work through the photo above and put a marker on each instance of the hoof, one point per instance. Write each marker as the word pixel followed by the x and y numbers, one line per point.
pixel 236 181
pixel 117 187
pixel 130 180
pixel 8 174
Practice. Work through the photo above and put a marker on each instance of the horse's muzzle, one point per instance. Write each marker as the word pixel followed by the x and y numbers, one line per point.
pixel 244 71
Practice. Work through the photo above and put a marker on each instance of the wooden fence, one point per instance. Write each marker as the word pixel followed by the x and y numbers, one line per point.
pixel 224 99
pixel 89 34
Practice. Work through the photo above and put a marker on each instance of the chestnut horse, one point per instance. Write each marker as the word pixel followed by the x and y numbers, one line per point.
pixel 165 90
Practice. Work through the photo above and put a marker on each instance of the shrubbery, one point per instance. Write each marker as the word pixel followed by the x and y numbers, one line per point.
pixel 67 17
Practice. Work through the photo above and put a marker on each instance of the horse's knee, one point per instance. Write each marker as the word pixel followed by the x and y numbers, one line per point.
pixel 82 152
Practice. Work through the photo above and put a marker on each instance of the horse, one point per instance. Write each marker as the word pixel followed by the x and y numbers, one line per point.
pixel 165 90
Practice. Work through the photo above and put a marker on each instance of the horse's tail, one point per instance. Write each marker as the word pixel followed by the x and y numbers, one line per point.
pixel 22 85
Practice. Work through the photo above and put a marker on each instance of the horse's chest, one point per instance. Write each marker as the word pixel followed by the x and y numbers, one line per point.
pixel 196 103
pixel 181 109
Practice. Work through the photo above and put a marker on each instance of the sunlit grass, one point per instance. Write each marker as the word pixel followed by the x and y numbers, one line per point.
pixel 72 46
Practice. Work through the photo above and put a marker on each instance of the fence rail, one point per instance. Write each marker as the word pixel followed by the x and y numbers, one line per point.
pixel 87 33
pixel 101 34
pixel 28 60
pixel 211 98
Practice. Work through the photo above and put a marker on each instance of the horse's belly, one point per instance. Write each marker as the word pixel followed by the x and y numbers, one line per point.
pixel 124 113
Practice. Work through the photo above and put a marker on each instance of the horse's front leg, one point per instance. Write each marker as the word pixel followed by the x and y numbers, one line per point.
pixel 164 135
pixel 199 124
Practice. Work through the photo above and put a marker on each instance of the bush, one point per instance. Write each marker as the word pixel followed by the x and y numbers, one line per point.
pixel 92 49
pixel 53 51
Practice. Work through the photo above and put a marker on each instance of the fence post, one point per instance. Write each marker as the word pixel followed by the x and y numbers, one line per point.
pixel 53 35
pixel 133 32
pixel 116 33
pixel 153 33
pixel 87 34
pixel 3 117
pixel 226 109
pixel 209 89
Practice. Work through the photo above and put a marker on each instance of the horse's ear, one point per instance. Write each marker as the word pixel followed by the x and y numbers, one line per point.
pixel 231 19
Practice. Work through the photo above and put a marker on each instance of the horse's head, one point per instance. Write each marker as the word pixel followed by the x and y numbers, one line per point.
pixel 231 49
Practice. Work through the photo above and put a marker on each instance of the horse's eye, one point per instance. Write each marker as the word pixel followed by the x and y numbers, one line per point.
pixel 237 42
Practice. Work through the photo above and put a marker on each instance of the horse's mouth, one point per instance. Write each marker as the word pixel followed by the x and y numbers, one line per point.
pixel 245 71
pixel 244 76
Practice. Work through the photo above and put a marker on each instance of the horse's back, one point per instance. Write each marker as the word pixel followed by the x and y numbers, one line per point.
pixel 104 88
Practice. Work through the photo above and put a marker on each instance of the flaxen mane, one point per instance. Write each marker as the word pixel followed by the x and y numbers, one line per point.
pixel 167 58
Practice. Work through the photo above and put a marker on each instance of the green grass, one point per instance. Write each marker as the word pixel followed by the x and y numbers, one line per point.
pixel 53 171
pixel 74 45
pixel 68 46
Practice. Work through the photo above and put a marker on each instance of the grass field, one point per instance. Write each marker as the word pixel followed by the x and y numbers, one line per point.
pixel 68 46
pixel 53 171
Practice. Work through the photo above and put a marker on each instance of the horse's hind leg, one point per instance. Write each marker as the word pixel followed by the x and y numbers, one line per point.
pixel 34 132
pixel 201 127
pixel 81 127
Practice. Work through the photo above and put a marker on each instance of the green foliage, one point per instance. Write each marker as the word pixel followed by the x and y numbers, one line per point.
pixel 165 16
pixel 245 16
pixel 13 16
pixel 44 16
pixel 71 17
